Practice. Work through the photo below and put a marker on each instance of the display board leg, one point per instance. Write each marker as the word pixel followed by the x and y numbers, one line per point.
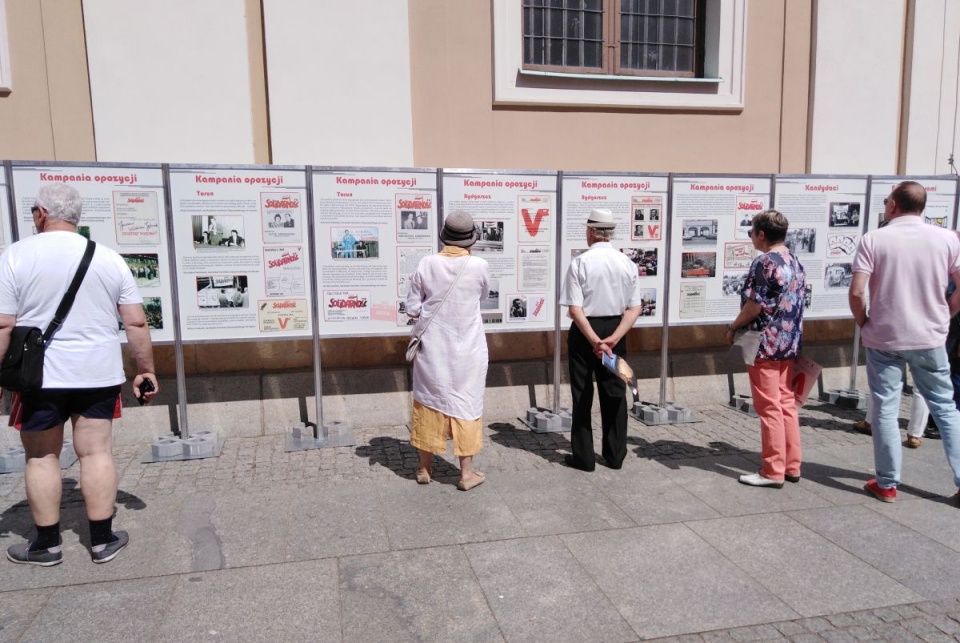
pixel 540 420
pixel 664 412
pixel 742 402
pixel 848 398
pixel 184 445
pixel 338 434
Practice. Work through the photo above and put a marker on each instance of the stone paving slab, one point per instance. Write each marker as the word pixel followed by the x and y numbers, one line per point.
pixel 665 579
pixel 438 514
pixel 539 592
pixel 289 602
pixel 560 501
pixel 923 565
pixel 937 518
pixel 119 611
pixel 421 595
pixel 20 608
pixel 808 572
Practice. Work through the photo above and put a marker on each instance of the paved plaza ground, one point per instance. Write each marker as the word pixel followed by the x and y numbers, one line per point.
pixel 343 545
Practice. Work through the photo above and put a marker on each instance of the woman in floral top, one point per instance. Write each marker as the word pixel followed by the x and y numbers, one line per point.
pixel 772 301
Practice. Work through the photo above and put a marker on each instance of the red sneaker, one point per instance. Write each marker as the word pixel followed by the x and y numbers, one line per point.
pixel 881 494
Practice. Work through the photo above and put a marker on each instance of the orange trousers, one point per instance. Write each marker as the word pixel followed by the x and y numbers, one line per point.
pixel 776 404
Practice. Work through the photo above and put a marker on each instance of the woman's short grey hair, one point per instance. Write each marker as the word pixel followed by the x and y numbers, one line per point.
pixel 603 234
pixel 60 201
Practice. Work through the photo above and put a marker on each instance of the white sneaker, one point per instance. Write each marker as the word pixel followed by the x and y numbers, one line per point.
pixel 757 480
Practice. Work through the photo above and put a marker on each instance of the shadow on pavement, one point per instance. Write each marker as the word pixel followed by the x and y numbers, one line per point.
pixel 705 458
pixel 18 520
pixel 549 446
pixel 401 458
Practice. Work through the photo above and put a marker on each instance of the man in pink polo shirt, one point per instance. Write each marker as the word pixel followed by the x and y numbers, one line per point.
pixel 907 265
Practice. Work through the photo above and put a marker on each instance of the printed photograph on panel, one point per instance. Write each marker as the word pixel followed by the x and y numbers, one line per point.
pixel 145 269
pixel 807 296
pixel 738 254
pixel 489 236
pixel 838 275
pixel 842 246
pixel 518 308
pixel 733 283
pixel 492 302
pixel 218 231
pixel 932 219
pixel 646 208
pixel 844 215
pixel 222 291
pixel 699 232
pixel 747 207
pixel 355 243
pixel 698 264
pixel 644 258
pixel 646 231
pixel 648 302
pixel 153 311
pixel 801 241
pixel 281 216
pixel 413 212
pixel 413 220
pixel 491 318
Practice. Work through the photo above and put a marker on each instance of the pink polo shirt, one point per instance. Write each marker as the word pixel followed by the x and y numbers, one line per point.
pixel 909 263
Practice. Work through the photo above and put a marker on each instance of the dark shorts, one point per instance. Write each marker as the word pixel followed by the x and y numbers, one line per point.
pixel 50 407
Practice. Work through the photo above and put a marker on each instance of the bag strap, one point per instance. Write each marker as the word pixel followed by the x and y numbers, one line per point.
pixel 437 309
pixel 71 294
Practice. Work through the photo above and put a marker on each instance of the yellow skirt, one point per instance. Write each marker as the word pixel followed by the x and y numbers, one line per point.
pixel 431 430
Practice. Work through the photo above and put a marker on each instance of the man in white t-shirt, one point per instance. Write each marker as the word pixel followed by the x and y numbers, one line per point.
pixel 907 265
pixel 82 370
pixel 602 293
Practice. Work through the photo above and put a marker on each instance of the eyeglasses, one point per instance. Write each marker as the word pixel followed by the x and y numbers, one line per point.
pixel 750 233
pixel 885 199
pixel 34 209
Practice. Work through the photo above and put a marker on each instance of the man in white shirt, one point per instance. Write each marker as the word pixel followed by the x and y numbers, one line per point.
pixel 602 293
pixel 82 370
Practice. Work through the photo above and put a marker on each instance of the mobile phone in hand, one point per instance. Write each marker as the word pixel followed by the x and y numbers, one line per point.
pixel 146 386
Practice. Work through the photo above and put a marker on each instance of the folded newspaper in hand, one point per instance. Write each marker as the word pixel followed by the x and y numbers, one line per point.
pixel 618 366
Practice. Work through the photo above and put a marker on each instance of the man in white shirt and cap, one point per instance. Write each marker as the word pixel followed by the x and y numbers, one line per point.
pixel 602 293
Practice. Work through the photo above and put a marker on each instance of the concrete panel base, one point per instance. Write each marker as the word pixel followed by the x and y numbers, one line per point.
pixel 845 398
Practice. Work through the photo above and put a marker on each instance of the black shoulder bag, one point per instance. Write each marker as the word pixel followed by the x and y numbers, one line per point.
pixel 22 366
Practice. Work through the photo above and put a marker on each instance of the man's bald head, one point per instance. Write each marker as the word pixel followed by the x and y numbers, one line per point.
pixel 910 197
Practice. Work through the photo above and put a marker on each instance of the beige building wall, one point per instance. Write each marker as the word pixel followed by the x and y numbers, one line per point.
pixel 855 124
pixel 171 80
pixel 456 123
pixel 47 113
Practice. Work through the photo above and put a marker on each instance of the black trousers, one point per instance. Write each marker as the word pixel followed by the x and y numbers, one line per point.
pixel 584 367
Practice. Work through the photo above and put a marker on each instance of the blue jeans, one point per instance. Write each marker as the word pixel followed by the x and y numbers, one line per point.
pixel 931 375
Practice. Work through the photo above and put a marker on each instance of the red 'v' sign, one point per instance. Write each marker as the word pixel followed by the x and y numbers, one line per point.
pixel 533 226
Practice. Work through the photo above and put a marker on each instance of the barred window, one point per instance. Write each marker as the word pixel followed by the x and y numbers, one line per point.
pixel 624 37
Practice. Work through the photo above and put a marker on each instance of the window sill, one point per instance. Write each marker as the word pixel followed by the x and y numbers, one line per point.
pixel 605 77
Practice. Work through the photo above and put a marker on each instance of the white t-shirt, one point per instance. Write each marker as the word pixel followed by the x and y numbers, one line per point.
pixel 603 281
pixel 34 275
